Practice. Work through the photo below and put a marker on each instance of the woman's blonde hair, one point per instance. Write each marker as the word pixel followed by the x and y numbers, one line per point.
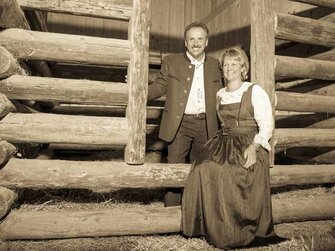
pixel 237 52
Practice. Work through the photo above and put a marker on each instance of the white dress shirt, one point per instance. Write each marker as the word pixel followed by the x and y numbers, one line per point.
pixel 196 99
pixel 262 110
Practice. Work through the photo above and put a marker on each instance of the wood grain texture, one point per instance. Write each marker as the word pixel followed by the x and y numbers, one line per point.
pixel 65 48
pixel 304 30
pixel 64 90
pixel 119 9
pixel 7 200
pixel 52 128
pixel 115 222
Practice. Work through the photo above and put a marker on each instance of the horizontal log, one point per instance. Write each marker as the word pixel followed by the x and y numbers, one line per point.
pixel 304 68
pixel 116 9
pixel 304 137
pixel 68 48
pixel 7 200
pixel 64 90
pixel 304 30
pixel 52 128
pixel 136 221
pixel 313 120
pixel 321 155
pixel 324 3
pixel 302 102
pixel 107 175
pixel 328 55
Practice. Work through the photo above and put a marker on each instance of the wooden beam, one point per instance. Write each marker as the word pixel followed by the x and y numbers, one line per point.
pixel 11 15
pixel 114 9
pixel 304 137
pixel 324 3
pixel 52 128
pixel 262 47
pixel 113 111
pixel 69 48
pixel 304 68
pixel 303 102
pixel 7 200
pixel 304 30
pixel 217 10
pixel 138 81
pixel 64 90
pixel 108 175
pixel 136 221
pixel 328 55
pixel 314 120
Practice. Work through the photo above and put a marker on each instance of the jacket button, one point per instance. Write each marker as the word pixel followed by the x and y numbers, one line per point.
pixel 190 66
pixel 181 104
pixel 188 79
pixel 185 91
pixel 177 116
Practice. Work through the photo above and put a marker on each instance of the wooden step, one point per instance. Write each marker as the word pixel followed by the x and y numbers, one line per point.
pixel 58 47
pixel 115 9
pixel 64 90
pixel 107 175
pixel 138 221
pixel 53 128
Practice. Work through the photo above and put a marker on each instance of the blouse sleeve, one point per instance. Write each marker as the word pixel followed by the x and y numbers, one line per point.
pixel 263 116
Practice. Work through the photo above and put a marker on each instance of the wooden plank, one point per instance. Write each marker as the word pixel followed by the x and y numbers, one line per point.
pixel 303 102
pixel 11 15
pixel 52 128
pixel 108 175
pixel 138 221
pixel 263 46
pixel 304 68
pixel 324 3
pixel 118 9
pixel 217 10
pixel 328 55
pixel 138 72
pixel 304 30
pixel 304 137
pixel 64 90
pixel 65 48
pixel 7 200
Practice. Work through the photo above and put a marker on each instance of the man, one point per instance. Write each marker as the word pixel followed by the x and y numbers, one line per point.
pixel 190 81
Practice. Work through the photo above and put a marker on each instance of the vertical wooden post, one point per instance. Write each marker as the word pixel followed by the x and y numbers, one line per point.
pixel 262 51
pixel 138 68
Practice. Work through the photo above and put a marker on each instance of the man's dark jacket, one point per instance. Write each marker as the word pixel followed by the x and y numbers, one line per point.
pixel 175 80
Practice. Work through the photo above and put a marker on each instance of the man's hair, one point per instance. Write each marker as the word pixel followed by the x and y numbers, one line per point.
pixel 196 25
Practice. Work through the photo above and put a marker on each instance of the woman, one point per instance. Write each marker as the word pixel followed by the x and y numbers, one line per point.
pixel 227 195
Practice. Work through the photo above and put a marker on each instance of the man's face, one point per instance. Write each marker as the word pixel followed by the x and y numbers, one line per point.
pixel 196 42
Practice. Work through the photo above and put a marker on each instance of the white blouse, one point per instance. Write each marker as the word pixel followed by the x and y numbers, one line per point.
pixel 262 110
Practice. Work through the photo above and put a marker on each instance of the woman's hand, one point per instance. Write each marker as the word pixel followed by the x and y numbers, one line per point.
pixel 250 155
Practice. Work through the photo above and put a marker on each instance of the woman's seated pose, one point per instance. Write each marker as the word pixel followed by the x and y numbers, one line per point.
pixel 227 195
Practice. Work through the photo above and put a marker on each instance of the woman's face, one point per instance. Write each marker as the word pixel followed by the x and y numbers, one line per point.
pixel 232 68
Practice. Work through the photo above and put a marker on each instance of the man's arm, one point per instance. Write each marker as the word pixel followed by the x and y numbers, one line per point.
pixel 159 86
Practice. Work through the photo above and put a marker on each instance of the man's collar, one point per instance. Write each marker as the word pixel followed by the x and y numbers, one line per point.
pixel 195 61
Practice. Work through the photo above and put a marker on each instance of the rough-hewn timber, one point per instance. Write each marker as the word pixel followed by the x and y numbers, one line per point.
pixel 138 71
pixel 325 3
pixel 69 48
pixel 64 90
pixel 8 64
pixel 107 175
pixel 118 9
pixel 69 224
pixel 7 150
pixel 304 30
pixel 53 128
pixel 11 15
